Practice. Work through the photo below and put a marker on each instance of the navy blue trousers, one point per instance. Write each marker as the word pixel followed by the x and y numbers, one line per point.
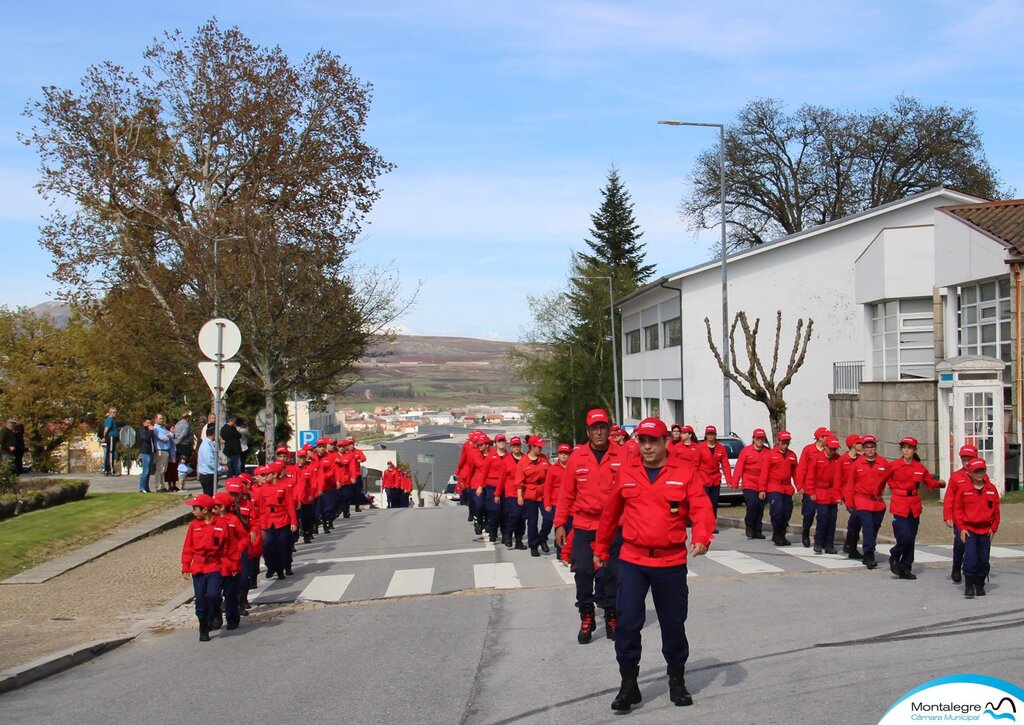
pixel 958 550
pixel 478 508
pixel 207 588
pixel 594 587
pixel 808 509
pixel 493 512
pixel 277 546
pixel 825 531
pixel 547 522
pixel 670 593
pixel 853 528
pixel 976 551
pixel 870 523
pixel 780 508
pixel 904 528
pixel 329 505
pixel 306 518
pixel 345 498
pixel 755 510
pixel 532 513
pixel 231 586
pixel 713 492
pixel 515 525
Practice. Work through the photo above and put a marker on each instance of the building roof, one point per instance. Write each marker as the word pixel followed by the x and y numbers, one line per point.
pixel 802 235
pixel 1002 221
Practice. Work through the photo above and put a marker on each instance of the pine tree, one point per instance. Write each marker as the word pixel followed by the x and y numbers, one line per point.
pixel 615 236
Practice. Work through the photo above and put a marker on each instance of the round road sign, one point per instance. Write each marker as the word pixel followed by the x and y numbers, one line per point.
pixel 230 338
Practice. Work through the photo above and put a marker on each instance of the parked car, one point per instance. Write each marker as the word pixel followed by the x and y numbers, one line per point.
pixel 449 489
pixel 733 445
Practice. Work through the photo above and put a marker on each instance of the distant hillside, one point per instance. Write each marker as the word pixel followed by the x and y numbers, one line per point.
pixel 59 312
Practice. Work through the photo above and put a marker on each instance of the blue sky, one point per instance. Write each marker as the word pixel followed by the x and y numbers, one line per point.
pixel 504 117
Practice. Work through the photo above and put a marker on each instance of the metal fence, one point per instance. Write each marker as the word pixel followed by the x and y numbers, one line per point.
pixel 846 376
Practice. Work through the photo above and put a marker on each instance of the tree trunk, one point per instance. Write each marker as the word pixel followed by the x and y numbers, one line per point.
pixel 777 419
pixel 268 404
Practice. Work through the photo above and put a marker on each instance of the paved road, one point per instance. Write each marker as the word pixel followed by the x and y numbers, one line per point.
pixel 775 637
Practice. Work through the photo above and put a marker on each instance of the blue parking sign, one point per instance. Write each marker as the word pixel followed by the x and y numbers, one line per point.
pixel 308 437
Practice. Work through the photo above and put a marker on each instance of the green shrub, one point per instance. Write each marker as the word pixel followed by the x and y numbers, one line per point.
pixel 8 479
pixel 13 504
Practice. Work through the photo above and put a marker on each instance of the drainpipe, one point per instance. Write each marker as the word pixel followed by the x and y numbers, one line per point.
pixel 682 390
pixel 1018 375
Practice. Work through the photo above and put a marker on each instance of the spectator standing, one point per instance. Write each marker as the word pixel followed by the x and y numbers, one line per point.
pixel 231 442
pixel 161 451
pixel 109 441
pixel 145 439
pixel 184 442
pixel 244 440
pixel 206 462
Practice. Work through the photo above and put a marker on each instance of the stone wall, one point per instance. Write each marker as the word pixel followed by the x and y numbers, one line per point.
pixel 890 411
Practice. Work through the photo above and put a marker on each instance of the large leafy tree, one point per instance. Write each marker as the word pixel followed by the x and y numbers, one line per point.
pixel 566 354
pixel 222 180
pixel 789 171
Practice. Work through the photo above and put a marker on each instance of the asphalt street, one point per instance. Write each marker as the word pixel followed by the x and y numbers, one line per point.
pixel 425 624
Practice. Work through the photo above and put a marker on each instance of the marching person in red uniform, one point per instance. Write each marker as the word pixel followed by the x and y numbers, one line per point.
pixel 279 521
pixel 242 508
pixel 589 475
pixel 343 476
pixel 904 476
pixel 686 449
pixel 749 467
pixel 405 484
pixel 476 461
pixel 202 555
pixel 844 482
pixel 358 459
pixel 976 515
pixel 389 482
pixel 231 564
pixel 868 484
pixel 327 470
pixel 655 499
pixel 714 466
pixel 530 474
pixel 821 484
pixel 512 513
pixel 463 479
pixel 811 452
pixel 777 475
pixel 552 489
pixel 304 493
pixel 490 483
pixel 957 480
pixel 621 438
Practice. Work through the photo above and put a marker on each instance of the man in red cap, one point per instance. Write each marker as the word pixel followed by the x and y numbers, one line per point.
pixel 589 475
pixel 821 485
pixel 488 482
pixel 202 556
pixel 512 512
pixel 905 476
pixel 868 484
pixel 531 471
pixel 359 497
pixel 463 476
pixel 304 493
pixel 343 475
pixel 844 481
pixel 328 473
pixel 957 480
pixel 777 483
pixel 552 489
pixel 279 521
pixel 749 466
pixel 811 453
pixel 654 499
pixel 231 564
pixel 389 483
pixel 714 466
pixel 976 515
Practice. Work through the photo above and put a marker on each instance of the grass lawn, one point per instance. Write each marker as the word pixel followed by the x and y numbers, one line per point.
pixel 34 537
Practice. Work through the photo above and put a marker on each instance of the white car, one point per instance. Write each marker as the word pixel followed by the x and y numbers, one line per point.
pixel 449 489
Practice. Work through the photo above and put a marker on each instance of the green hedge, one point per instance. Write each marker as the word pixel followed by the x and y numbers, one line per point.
pixel 13 504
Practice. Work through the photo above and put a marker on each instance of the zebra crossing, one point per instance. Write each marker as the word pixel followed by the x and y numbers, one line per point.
pixel 369 578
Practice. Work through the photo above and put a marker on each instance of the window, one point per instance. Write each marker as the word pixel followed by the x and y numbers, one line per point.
pixel 673 332
pixel 903 339
pixel 653 408
pixel 632 342
pixel 651 337
pixel 634 408
pixel 984 325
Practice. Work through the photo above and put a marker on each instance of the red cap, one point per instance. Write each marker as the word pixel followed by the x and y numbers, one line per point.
pixel 652 428
pixel 821 432
pixel 391 464
pixel 759 433
pixel 206 502
pixel 596 415
pixel 852 440
pixel 711 430
pixel 564 448
pixel 616 428
pixel 676 426
pixel 301 453
pixel 325 442
pixel 535 441
pixel 281 449
pixel 223 498
pixel 976 464
pixel 515 441
pixel 262 471
pixel 499 437
pixel 832 442
pixel 276 466
pixel 785 435
pixel 483 438
pixel 869 439
pixel 908 441
pixel 246 478
pixel 308 447
pixel 968 452
pixel 234 486
pixel 688 429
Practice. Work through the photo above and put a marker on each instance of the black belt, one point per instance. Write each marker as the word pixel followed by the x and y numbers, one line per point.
pixel 910 492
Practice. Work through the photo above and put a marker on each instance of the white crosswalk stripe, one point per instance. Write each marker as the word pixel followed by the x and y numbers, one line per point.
pixel 1001 552
pixel 826 561
pixel 563 572
pixel 738 561
pixel 407 582
pixel 326 588
pixel 498 576
pixel 927 557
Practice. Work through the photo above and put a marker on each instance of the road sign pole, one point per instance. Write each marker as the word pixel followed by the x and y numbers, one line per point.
pixel 217 404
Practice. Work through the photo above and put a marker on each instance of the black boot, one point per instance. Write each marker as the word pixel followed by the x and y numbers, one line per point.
pixel 629 690
pixel 869 560
pixel 506 539
pixel 544 547
pixel 611 621
pixel 204 630
pixel 969 587
pixel 956 576
pixel 750 532
pixel 492 538
pixel 848 543
pixel 587 626
pixel 217 621
pixel 776 536
pixel 478 529
pixel 534 551
pixel 758 534
pixel 979 586
pixel 677 691
pixel 855 553
pixel 806 537
pixel 893 566
pixel 519 543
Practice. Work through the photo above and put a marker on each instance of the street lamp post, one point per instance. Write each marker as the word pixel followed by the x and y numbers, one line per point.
pixel 726 401
pixel 615 355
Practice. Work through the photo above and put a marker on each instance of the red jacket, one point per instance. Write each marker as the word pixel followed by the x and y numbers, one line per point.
pixel 509 479
pixel 777 472
pixel 749 467
pixel 204 548
pixel 820 480
pixel 461 476
pixel 358 459
pixel 806 454
pixel 404 482
pixel 473 462
pixel 713 460
pixel 328 471
pixel 277 506
pixel 553 484
pixel 491 472
pixel 688 454
pixel 957 480
pixel 237 542
pixel 903 479
pixel 977 510
pixel 343 473
pixel 585 485
pixel 249 513
pixel 530 477
pixel 868 483
pixel 304 490
pixel 654 516
pixel 844 478
pixel 388 479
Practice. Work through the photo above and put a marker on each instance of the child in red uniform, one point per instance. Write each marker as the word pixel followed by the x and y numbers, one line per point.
pixel 976 514
pixel 202 557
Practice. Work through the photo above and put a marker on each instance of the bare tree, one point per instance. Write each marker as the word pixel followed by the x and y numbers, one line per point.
pixel 754 380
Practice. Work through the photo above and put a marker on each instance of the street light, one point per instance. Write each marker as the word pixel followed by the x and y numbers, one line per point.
pixel 726 403
pixel 615 355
